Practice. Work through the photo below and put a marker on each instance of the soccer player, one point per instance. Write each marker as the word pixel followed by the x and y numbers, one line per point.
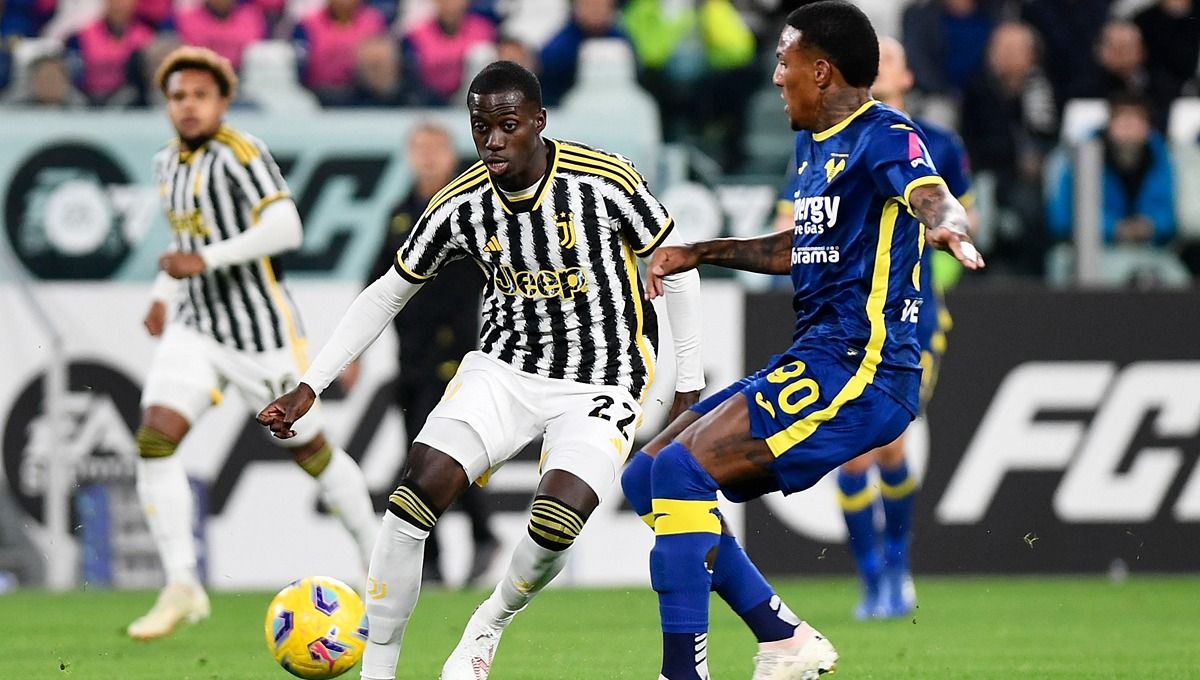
pixel 850 381
pixel 435 331
pixel 567 352
pixel 883 564
pixel 233 323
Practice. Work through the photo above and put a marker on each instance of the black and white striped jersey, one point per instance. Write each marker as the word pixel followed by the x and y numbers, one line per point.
pixel 215 193
pixel 565 299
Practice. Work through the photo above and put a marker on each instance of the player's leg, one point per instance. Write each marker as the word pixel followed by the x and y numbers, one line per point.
pixel 343 487
pixel 857 498
pixel 898 489
pixel 586 438
pixel 415 404
pixel 735 578
pixel 179 387
pixel 474 503
pixel 263 376
pixel 431 481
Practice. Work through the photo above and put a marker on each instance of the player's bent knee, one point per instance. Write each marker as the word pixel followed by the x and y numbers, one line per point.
pixel 635 482
pixel 314 457
pixel 154 444
pixel 554 525
pixel 409 503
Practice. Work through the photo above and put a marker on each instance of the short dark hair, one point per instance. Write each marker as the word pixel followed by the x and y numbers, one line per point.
pixel 507 76
pixel 201 59
pixel 1128 99
pixel 842 32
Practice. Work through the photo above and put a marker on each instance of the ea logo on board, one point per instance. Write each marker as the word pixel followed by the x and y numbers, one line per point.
pixel 101 414
pixel 71 212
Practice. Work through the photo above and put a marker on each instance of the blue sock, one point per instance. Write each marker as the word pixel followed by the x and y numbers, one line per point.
pixel 898 489
pixel 734 576
pixel 687 531
pixel 858 505
pixel 742 586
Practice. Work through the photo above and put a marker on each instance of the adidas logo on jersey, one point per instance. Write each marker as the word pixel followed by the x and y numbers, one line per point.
pixel 493 246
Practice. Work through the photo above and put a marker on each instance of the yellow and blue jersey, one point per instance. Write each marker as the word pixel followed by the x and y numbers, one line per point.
pixel 856 247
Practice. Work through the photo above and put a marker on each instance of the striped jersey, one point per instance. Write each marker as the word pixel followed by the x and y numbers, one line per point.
pixel 215 193
pixel 564 298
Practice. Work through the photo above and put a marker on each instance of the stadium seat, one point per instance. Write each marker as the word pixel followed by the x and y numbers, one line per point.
pixel 1082 117
pixel 1122 266
pixel 270 81
pixel 70 16
pixel 1186 164
pixel 606 89
pixel 24 54
pixel 770 143
pixel 534 22
pixel 1184 124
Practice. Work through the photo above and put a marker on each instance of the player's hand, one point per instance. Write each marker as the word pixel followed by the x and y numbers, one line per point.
pixel 349 377
pixel 156 318
pixel 181 265
pixel 683 401
pixel 957 244
pixel 668 260
pixel 281 414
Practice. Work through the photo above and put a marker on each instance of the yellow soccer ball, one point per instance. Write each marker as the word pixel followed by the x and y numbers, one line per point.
pixel 317 627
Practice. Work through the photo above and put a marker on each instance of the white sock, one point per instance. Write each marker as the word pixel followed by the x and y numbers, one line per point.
pixel 344 491
pixel 532 568
pixel 166 498
pixel 393 584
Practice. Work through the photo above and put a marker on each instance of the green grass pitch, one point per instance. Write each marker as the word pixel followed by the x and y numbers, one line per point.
pixel 1144 627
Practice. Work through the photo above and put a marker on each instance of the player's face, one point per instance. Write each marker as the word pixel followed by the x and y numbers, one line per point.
pixel 798 73
pixel 507 129
pixel 195 104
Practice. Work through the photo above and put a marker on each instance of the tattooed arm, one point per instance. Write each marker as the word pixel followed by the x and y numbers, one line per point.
pixel 946 223
pixel 767 254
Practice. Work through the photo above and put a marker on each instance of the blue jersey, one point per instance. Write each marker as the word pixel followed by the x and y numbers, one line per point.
pixel 856 248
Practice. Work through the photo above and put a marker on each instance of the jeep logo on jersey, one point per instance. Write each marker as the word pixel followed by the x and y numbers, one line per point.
pixel 545 283
pixel 101 416
pixel 1106 478
pixel 71 211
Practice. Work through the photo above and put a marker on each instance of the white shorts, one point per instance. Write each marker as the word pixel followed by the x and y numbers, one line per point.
pixel 587 430
pixel 190 370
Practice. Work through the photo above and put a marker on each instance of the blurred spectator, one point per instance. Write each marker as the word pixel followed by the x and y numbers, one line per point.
pixel 1172 33
pixel 50 85
pixel 327 42
pixel 105 55
pixel 946 41
pixel 510 48
pixel 1137 184
pixel 154 13
pixel 560 56
pixel 1122 59
pixel 222 26
pixel 380 78
pixel 25 17
pixel 1009 123
pixel 437 47
pixel 698 62
pixel 1064 26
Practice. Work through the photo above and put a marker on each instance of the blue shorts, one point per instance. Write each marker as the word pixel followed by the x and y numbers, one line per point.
pixel 814 414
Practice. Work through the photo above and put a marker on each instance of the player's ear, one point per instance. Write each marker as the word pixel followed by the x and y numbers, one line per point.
pixel 822 73
pixel 539 121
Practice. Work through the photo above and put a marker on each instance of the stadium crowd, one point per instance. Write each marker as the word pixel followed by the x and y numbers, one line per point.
pixel 1019 80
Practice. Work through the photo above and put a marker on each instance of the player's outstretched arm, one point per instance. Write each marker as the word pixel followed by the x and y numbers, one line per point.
pixel 366 318
pixel 767 254
pixel 946 222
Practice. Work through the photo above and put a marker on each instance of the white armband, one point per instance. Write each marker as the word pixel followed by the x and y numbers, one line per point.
pixel 683 310
pixel 367 317
pixel 278 230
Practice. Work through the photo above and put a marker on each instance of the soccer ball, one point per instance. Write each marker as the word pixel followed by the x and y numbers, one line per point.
pixel 316 627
